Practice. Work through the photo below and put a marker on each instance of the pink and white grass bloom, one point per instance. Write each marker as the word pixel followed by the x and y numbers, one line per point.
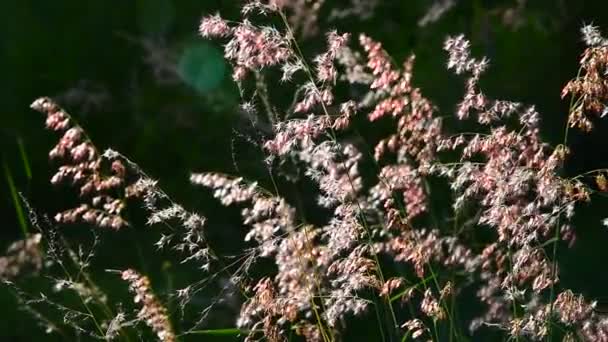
pixel 393 230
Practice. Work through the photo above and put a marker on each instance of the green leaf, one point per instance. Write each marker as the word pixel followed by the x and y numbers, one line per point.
pixel 15 198
pixel 24 159
pixel 218 332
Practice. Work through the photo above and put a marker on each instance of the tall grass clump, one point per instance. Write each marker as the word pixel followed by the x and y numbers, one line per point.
pixel 405 225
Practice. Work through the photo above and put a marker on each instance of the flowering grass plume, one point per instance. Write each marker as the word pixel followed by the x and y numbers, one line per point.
pixel 21 257
pixel 152 312
pixel 81 165
pixel 589 90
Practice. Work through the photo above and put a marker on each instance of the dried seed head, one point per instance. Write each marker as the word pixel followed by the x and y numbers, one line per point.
pixel 152 312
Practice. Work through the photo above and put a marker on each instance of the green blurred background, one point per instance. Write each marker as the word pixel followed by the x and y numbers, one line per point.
pixel 139 80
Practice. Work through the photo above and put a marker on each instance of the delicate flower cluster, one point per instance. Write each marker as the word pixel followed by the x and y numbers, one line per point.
pixel 21 257
pixel 421 247
pixel 335 169
pixel 326 72
pixel 405 180
pixel 250 48
pixel 592 36
pixel 430 306
pixel 574 311
pixel 416 327
pixel 520 195
pixel 153 313
pixel 302 15
pixel 590 89
pixel 214 26
pixel 319 91
pixel 415 135
pixel 461 61
pixel 310 261
pixel 416 128
pixel 300 134
pixel 193 241
pixel 349 276
pixel 82 166
pixel 572 308
pixel 354 71
pixel 228 190
pixel 298 260
pixel 578 317
pixel 267 215
pixel 297 133
pixel 265 309
pixel 378 61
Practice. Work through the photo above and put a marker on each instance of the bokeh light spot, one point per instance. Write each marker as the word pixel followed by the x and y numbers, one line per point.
pixel 202 66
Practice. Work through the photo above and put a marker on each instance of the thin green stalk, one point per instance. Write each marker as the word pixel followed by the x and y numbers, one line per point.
pixel 379 321
pixel 261 85
pixel 557 228
pixel 570 108
pixel 24 159
pixel 219 332
pixel 16 201
pixel 514 306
